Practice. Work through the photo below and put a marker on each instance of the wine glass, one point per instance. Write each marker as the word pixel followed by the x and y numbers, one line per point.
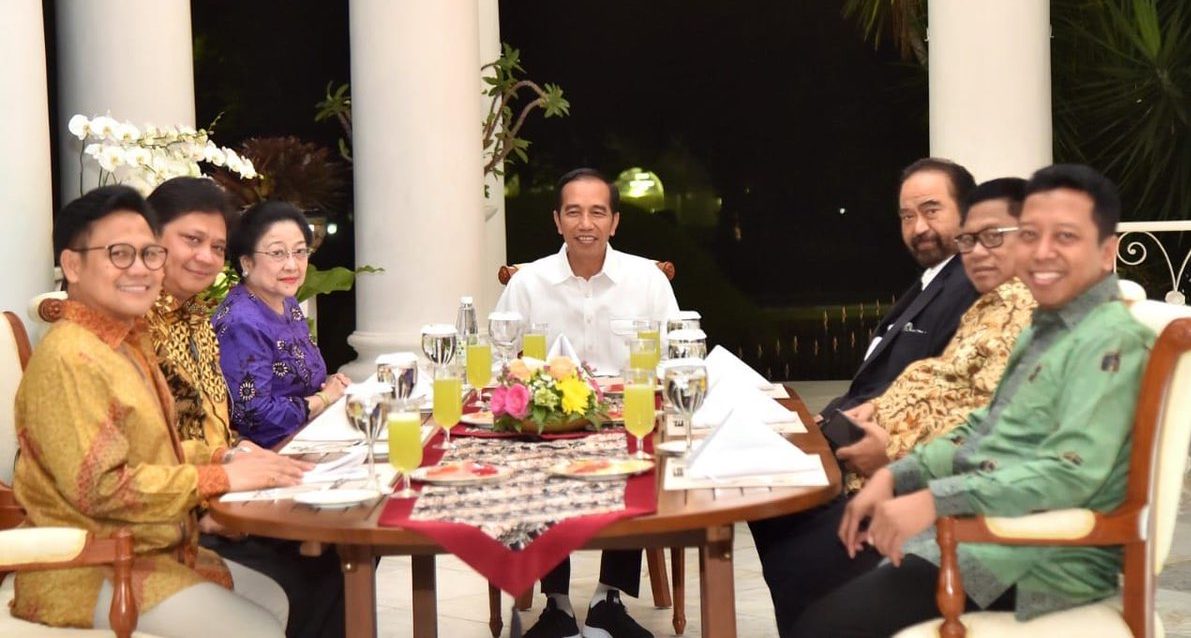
pixel 448 401
pixel 643 354
pixel 439 341
pixel 405 442
pixel 367 412
pixel 685 385
pixel 400 370
pixel 504 328
pixel 639 411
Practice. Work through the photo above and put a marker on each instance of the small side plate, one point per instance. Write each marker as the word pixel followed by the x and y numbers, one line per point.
pixel 600 469
pixel 335 498
pixel 461 473
pixel 481 419
pixel 674 448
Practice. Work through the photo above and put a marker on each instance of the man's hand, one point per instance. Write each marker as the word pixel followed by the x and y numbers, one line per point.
pixel 256 469
pixel 862 412
pixel 879 489
pixel 899 519
pixel 867 455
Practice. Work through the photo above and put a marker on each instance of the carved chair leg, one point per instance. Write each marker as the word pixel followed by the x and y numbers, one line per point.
pixel 656 558
pixel 123 614
pixel 495 623
pixel 678 574
pixel 950 593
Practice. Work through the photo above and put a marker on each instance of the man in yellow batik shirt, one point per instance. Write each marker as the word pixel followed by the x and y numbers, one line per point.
pixel 98 448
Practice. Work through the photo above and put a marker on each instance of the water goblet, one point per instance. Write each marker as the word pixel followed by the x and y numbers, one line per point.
pixel 367 412
pixel 400 370
pixel 685 385
pixel 439 341
pixel 505 328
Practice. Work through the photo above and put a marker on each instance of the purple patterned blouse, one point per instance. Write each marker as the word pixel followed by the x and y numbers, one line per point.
pixel 270 363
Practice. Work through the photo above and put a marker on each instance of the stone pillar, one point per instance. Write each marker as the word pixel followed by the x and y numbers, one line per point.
pixel 131 59
pixel 989 66
pixel 418 184
pixel 494 205
pixel 26 254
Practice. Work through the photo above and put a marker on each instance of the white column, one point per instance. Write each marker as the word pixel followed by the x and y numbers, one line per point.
pixel 129 58
pixel 26 256
pixel 989 66
pixel 418 182
pixel 494 204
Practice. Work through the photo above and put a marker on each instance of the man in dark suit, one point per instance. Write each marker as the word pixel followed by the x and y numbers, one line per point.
pixel 925 317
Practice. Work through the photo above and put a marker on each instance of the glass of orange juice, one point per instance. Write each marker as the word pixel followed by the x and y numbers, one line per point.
pixel 643 354
pixel 639 414
pixel 405 442
pixel 533 342
pixel 448 400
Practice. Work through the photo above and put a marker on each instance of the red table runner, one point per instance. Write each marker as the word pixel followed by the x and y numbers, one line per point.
pixel 515 570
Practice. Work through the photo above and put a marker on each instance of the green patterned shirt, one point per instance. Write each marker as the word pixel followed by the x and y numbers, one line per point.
pixel 1056 435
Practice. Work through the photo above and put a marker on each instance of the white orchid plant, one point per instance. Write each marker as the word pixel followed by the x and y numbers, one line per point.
pixel 147 156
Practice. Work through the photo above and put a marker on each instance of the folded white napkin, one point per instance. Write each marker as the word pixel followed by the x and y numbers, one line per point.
pixel 562 348
pixel 335 469
pixel 734 393
pixel 722 364
pixel 744 446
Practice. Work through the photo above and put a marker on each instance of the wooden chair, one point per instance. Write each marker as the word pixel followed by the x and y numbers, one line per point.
pixel 1144 524
pixel 655 557
pixel 28 549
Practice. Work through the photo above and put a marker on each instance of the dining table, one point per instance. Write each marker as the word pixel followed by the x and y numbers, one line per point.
pixel 702 519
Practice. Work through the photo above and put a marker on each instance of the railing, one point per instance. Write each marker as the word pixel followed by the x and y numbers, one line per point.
pixel 1132 251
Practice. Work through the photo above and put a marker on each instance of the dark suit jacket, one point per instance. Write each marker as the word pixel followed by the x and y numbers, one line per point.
pixel 919 327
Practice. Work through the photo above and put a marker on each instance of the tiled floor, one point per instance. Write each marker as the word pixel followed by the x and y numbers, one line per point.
pixel 463 595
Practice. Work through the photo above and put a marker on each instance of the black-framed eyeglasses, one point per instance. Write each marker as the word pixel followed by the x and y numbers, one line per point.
pixel 279 255
pixel 123 255
pixel 989 238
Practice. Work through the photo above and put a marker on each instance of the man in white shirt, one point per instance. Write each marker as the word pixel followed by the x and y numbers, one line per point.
pixel 587 284
pixel 579 291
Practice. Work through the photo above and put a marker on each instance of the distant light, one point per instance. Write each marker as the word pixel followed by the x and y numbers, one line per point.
pixel 642 187
pixel 333 228
pixel 842 210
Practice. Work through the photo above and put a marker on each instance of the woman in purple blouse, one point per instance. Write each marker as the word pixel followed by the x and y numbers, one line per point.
pixel 277 377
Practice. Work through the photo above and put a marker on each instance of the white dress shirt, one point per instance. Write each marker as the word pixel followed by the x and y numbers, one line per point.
pixel 627 287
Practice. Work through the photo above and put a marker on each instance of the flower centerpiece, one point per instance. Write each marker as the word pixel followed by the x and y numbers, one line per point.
pixel 557 395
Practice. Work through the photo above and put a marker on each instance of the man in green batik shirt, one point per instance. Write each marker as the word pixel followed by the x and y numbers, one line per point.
pixel 1056 435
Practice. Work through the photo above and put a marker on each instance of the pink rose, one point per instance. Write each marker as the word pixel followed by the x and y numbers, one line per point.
pixel 596 388
pixel 498 401
pixel 516 401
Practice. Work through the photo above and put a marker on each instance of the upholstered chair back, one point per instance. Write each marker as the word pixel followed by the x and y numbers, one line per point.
pixel 14 354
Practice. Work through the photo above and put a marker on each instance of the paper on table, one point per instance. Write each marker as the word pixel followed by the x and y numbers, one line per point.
pixel 742 445
pixel 677 478
pixel 735 393
pixel 385 476
pixel 722 364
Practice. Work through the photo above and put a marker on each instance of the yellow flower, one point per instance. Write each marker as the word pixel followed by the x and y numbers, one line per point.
pixel 561 367
pixel 575 393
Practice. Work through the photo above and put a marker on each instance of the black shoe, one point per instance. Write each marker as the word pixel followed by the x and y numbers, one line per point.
pixel 554 623
pixel 609 619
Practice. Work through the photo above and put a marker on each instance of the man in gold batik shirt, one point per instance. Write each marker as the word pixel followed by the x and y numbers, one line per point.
pixel 98 449
pixel 801 556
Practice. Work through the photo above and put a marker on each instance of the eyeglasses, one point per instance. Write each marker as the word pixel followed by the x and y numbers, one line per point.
pixel 989 238
pixel 123 255
pixel 280 255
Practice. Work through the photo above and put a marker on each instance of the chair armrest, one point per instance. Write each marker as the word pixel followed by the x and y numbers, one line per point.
pixel 38 548
pixel 40 545
pixel 1056 527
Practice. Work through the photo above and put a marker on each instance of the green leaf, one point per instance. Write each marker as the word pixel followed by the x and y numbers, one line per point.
pixel 336 279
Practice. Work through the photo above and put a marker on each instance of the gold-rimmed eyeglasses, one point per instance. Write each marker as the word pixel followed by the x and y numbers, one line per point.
pixel 989 238
pixel 123 255
pixel 280 255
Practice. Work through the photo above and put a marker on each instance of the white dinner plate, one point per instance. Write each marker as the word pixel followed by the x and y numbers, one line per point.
pixel 335 498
